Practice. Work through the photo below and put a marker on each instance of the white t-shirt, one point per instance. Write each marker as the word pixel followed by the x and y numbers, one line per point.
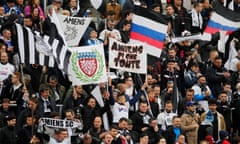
pixel 120 111
pixel 114 32
pixel 165 119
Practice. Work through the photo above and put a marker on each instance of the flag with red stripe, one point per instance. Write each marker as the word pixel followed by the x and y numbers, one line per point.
pixel 149 28
pixel 223 19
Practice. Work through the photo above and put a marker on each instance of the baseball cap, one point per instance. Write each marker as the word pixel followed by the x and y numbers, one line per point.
pixel 191 103
pixel 223 134
pixel 10 117
pixel 88 11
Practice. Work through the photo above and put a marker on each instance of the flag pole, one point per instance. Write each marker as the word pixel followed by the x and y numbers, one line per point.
pixel 145 93
pixel 25 89
pixel 23 79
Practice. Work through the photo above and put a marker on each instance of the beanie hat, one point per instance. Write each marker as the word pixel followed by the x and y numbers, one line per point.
pixel 223 134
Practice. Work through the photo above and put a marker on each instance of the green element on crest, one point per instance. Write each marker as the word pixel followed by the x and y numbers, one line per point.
pixel 81 76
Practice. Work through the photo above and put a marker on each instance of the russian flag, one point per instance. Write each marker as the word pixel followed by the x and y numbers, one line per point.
pixel 223 19
pixel 147 28
pixel 218 22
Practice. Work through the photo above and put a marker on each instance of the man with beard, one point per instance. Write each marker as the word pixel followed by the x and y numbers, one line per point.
pixel 165 118
pixel 202 92
pixel 8 134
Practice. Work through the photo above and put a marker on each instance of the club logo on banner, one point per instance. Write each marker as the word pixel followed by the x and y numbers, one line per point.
pixel 73 28
pixel 127 57
pixel 88 65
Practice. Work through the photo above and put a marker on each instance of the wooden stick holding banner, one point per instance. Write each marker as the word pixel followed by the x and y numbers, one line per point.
pixel 25 90
pixel 98 96
pixel 145 93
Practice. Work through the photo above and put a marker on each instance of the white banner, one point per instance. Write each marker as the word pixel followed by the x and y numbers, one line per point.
pixel 127 57
pixel 73 28
pixel 87 65
pixel 204 37
pixel 59 123
pixel 222 41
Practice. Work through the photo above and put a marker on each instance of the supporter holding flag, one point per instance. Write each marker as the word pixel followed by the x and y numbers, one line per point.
pixel 174 21
pixel 73 133
pixel 121 107
pixel 196 18
pixel 28 132
pixel 182 13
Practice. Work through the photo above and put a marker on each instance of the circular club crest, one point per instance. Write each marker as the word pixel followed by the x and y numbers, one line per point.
pixel 87 66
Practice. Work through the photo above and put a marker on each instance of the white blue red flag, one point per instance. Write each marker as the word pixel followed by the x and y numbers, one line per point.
pixel 223 19
pixel 218 23
pixel 149 28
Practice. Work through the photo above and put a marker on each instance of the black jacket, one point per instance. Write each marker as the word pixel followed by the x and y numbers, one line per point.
pixel 170 135
pixel 138 122
pixel 215 79
pixel 8 135
pixel 52 105
pixel 152 135
pixel 89 114
pixel 21 120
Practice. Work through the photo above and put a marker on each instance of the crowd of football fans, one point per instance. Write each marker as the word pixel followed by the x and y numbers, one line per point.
pixel 187 96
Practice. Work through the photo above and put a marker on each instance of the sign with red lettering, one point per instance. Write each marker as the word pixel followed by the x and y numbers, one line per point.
pixel 127 57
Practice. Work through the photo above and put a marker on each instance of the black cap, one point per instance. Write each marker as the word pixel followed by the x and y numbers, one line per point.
pixel 10 117
pixel 212 101
pixel 171 60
